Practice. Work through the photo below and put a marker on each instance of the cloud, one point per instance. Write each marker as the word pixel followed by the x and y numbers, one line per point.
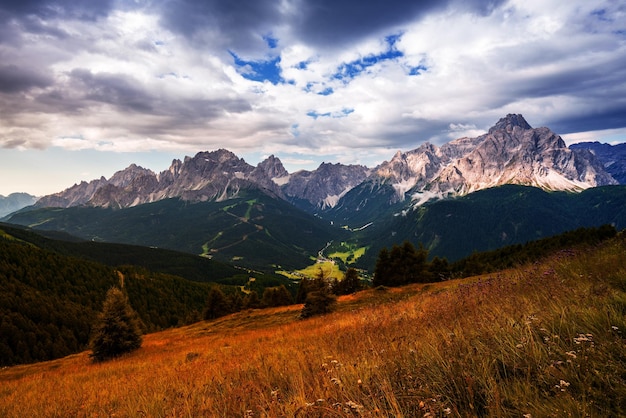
pixel 240 25
pixel 44 9
pixel 14 79
pixel 348 80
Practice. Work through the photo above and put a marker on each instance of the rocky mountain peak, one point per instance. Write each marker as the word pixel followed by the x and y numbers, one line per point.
pixel 125 177
pixel 273 167
pixel 323 187
pixel 509 122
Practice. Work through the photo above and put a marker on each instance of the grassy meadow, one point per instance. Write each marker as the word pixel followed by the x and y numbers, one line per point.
pixel 541 340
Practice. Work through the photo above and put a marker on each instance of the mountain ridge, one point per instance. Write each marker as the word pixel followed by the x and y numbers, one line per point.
pixel 511 152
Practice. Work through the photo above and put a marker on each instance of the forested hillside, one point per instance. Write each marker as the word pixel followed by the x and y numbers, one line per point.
pixel 49 301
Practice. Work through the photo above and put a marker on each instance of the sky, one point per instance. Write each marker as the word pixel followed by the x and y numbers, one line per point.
pixel 89 87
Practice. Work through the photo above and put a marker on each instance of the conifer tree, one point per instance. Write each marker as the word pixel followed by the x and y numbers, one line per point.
pixel 319 299
pixel 117 330
pixel 252 301
pixel 216 304
pixel 277 296
pixel 318 302
pixel 382 271
pixel 350 283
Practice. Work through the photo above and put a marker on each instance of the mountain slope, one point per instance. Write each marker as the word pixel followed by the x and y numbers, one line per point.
pixel 50 300
pixel 187 266
pixel 252 230
pixel 494 218
pixel 544 339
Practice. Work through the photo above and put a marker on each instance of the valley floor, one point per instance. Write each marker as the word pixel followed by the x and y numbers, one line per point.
pixel 537 341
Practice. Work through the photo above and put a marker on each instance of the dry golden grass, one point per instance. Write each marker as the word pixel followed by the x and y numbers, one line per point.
pixel 542 340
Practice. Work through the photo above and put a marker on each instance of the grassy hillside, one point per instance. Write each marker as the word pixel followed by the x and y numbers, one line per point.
pixel 546 339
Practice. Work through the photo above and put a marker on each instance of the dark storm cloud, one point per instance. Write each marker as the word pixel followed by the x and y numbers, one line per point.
pixel 33 16
pixel 14 79
pixel 122 91
pixel 44 9
pixel 335 22
pixel 128 95
pixel 241 24
pixel 609 116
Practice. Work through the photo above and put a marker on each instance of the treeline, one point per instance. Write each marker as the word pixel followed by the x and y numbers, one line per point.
pixel 405 264
pixel 515 255
pixel 317 294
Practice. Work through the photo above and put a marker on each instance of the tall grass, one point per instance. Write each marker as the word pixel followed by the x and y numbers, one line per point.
pixel 538 341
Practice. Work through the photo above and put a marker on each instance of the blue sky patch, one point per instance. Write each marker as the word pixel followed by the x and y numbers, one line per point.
pixel 271 41
pixel 302 65
pixel 417 70
pixel 335 115
pixel 326 92
pixel 349 70
pixel 260 71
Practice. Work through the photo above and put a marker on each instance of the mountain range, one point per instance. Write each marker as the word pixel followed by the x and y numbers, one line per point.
pixel 261 212
pixel 512 152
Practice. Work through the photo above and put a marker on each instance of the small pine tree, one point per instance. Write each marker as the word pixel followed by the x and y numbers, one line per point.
pixel 350 283
pixel 319 302
pixel 117 330
pixel 382 270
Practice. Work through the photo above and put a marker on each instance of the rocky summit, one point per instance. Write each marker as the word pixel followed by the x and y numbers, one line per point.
pixel 511 152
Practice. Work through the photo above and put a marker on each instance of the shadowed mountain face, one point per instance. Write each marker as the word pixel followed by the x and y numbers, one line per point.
pixel 612 157
pixel 15 201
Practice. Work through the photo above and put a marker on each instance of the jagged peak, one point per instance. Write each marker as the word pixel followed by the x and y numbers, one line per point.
pixel 509 122
pixel 273 167
pixel 398 156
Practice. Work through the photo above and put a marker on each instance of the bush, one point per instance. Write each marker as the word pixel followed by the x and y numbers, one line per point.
pixel 117 330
